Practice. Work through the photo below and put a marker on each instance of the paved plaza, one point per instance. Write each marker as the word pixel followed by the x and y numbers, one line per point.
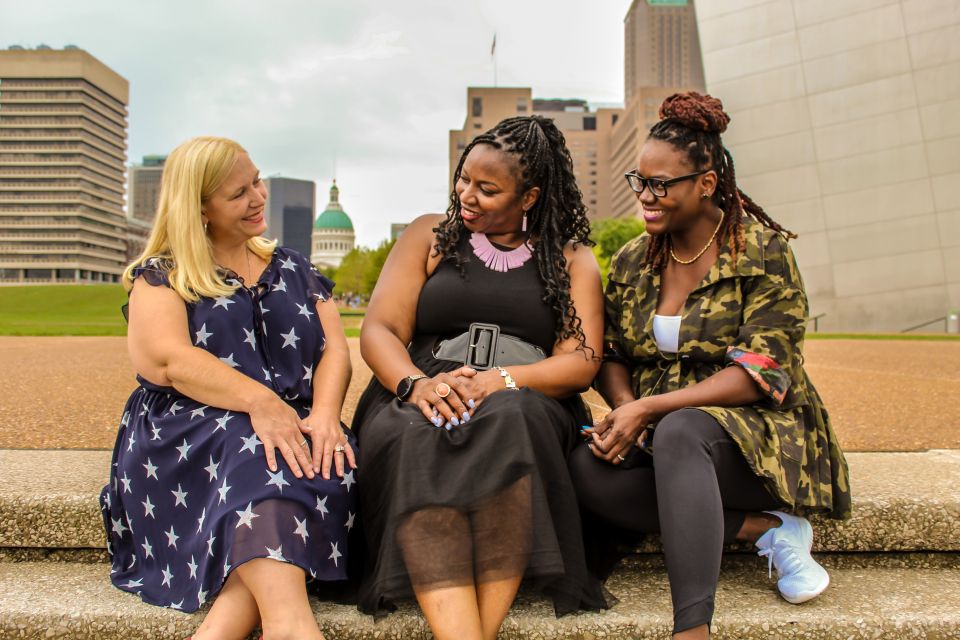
pixel 883 395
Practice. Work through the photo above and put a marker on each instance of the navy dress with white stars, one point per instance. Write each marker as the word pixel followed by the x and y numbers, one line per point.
pixel 190 495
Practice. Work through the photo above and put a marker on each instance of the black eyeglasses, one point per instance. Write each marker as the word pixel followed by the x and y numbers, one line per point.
pixel 657 186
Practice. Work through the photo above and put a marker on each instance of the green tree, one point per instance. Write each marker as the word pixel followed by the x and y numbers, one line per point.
pixel 610 234
pixel 350 274
pixel 377 257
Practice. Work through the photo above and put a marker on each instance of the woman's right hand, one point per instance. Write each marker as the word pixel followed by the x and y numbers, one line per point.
pixel 442 398
pixel 278 426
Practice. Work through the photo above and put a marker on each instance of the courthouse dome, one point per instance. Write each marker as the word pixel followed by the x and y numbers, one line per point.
pixel 334 217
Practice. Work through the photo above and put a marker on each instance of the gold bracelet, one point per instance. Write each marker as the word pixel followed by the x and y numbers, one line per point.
pixel 508 379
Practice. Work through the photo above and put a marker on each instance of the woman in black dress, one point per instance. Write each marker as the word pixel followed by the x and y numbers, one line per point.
pixel 465 490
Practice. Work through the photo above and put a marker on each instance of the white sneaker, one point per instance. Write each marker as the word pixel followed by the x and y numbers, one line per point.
pixel 787 547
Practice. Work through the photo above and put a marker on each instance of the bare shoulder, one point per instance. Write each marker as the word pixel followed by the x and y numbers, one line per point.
pixel 580 258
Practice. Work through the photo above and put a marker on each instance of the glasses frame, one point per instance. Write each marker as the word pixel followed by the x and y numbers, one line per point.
pixel 647 183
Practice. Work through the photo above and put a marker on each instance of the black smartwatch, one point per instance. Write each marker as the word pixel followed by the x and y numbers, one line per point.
pixel 405 386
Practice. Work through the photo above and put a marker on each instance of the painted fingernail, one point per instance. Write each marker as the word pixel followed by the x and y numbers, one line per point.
pixel 447 426
pixel 466 416
pixel 471 404
pixel 585 427
pixel 435 412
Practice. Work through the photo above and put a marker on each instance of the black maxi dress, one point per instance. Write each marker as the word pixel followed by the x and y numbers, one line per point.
pixel 491 498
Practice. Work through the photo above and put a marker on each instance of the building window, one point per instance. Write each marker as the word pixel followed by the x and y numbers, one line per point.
pixel 521 105
pixel 616 117
pixel 477 107
pixel 590 123
pixel 476 125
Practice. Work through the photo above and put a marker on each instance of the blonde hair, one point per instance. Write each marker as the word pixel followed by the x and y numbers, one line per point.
pixel 191 174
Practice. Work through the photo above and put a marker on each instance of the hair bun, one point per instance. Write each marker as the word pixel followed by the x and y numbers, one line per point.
pixel 696 111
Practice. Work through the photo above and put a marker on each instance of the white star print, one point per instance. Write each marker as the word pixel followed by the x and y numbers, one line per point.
pixel 350 518
pixel 211 469
pixel 247 516
pixel 224 302
pixel 230 361
pixel 192 565
pixel 313 574
pixel 280 287
pixel 348 480
pixel 307 373
pixel 134 583
pixel 148 508
pixel 201 596
pixel 130 442
pixel 304 310
pixel 226 568
pixel 126 483
pixel 250 444
pixel 264 310
pixel 276 554
pixel 203 516
pixel 335 554
pixel 199 412
pixel 289 339
pixel 147 548
pixel 266 374
pixel 177 605
pixel 322 507
pixel 151 469
pixel 176 406
pixel 277 479
pixel 118 527
pixel 251 339
pixel 210 542
pixel 263 325
pixel 180 495
pixel 288 264
pixel 183 449
pixel 125 420
pixel 106 498
pixel 202 335
pixel 133 561
pixel 301 529
pixel 222 422
pixel 156 431
pixel 167 576
pixel 172 537
pixel 223 491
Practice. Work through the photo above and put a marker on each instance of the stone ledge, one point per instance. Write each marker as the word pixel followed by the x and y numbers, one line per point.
pixel 902 502
pixel 50 600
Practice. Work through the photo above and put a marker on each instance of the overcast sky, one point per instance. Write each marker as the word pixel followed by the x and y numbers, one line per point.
pixel 373 85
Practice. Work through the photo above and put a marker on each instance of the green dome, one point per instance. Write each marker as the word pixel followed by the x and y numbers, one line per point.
pixel 334 217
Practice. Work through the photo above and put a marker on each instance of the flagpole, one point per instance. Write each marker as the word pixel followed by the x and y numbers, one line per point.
pixel 493 54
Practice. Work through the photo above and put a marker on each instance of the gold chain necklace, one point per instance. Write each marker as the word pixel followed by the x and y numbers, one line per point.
pixel 702 251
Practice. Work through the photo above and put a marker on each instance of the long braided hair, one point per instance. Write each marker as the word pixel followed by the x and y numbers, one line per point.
pixel 558 216
pixel 692 123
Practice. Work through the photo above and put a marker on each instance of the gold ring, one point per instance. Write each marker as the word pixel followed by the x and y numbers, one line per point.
pixel 304 443
pixel 443 389
pixel 339 448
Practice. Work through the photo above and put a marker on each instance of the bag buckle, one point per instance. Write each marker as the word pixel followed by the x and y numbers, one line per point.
pixel 482 346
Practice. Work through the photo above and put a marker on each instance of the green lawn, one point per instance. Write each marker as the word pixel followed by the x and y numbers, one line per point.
pixel 84 310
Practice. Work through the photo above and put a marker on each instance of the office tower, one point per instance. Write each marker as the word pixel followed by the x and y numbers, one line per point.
pixel 289 211
pixel 143 194
pixel 63 141
pixel 661 47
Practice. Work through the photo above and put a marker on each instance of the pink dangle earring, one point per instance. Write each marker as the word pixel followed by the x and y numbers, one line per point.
pixel 523 227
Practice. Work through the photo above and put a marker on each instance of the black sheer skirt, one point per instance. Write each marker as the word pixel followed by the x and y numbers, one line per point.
pixel 489 500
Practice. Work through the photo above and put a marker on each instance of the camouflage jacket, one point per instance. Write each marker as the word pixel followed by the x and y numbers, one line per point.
pixel 749 312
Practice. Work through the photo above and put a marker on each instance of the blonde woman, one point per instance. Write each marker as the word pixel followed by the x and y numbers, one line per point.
pixel 232 475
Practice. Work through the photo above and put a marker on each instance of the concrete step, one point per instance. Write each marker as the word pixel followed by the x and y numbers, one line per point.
pixel 914 596
pixel 902 502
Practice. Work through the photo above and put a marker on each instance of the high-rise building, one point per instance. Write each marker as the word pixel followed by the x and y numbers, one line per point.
pixel 333 236
pixel 587 133
pixel 289 211
pixel 143 195
pixel 661 46
pixel 846 129
pixel 63 141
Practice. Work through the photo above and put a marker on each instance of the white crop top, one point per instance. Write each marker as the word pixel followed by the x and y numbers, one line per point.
pixel 666 331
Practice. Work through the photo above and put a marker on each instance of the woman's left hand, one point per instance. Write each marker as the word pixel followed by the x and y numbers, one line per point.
pixel 613 436
pixel 326 440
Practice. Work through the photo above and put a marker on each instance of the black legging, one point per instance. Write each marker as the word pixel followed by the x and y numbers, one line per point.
pixel 696 491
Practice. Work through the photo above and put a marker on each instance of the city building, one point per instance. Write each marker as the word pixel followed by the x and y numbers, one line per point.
pixel 397 228
pixel 846 129
pixel 587 133
pixel 333 236
pixel 63 141
pixel 143 195
pixel 289 212
pixel 661 47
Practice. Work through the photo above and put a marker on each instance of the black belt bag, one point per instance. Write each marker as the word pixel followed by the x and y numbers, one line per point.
pixel 484 347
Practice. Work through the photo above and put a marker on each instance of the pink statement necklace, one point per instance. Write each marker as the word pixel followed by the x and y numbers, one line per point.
pixel 497 259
